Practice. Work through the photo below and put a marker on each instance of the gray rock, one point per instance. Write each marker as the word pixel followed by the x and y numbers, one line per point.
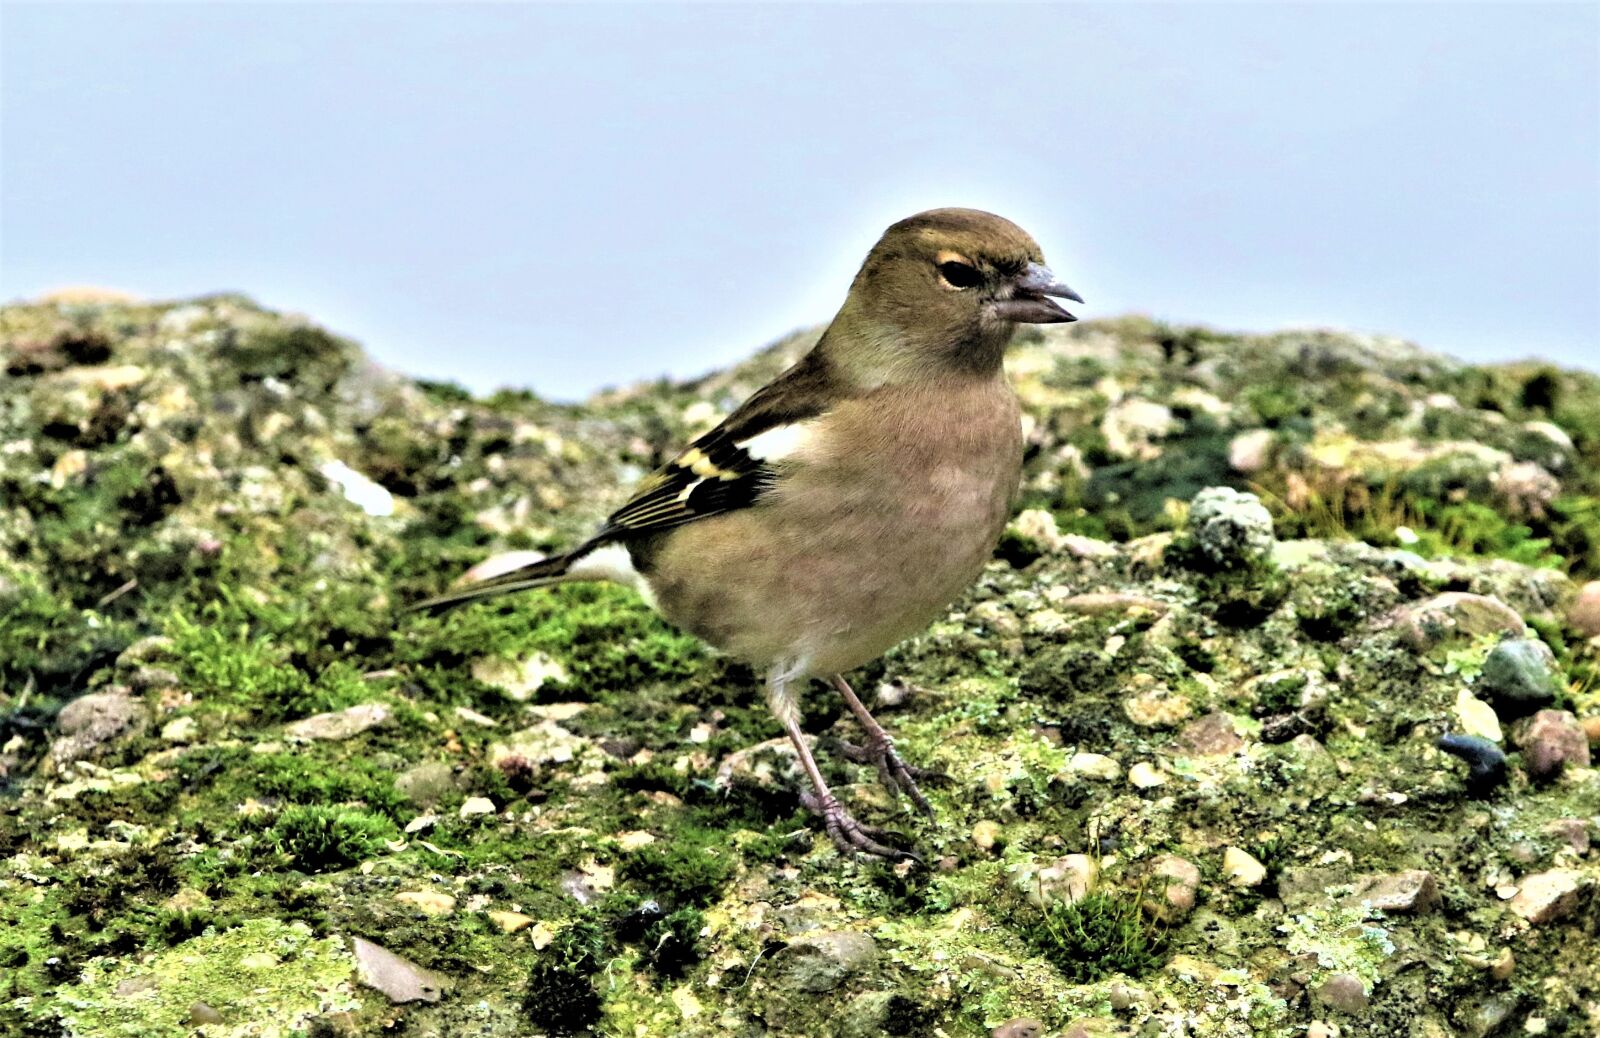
pixel 820 961
pixel 89 724
pixel 341 724
pixel 426 784
pixel 1414 890
pixel 1231 528
pixel 400 979
pixel 1519 676
pixel 1021 1027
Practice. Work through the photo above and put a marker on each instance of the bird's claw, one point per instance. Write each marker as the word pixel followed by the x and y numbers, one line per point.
pixel 850 835
pixel 896 775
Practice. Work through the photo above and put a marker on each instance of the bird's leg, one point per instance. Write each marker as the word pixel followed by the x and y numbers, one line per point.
pixel 846 833
pixel 893 772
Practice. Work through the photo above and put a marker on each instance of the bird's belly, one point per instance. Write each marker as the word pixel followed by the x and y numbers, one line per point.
pixel 835 579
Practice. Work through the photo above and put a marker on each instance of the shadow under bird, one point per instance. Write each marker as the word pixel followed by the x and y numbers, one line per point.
pixel 848 503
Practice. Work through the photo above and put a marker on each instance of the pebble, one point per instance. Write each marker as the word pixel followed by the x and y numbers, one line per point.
pixel 1230 527
pixel 510 922
pixel 1414 890
pixel 1477 717
pixel 1145 775
pixel 341 724
pixel 474 806
pixel 1210 736
pixel 1248 451
pixel 1156 706
pixel 1175 898
pixel 818 962
pixel 428 902
pixel 1242 868
pixel 1067 879
pixel 89 724
pixel 519 681
pixel 1342 992
pixel 201 1014
pixel 1547 896
pixel 1095 766
pixel 986 834
pixel 180 730
pixel 1519 676
pixel 1020 1027
pixel 1584 613
pixel 1322 1029
pixel 400 979
pixel 1553 740
pixel 1457 614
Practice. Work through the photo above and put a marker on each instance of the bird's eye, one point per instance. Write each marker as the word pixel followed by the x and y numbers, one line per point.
pixel 960 275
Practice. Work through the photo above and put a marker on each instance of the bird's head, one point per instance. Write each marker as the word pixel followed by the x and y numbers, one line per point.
pixel 944 290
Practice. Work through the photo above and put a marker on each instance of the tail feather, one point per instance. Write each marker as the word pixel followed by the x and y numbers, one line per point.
pixel 545 572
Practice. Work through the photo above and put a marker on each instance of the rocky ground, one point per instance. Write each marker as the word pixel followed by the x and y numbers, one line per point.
pixel 1193 736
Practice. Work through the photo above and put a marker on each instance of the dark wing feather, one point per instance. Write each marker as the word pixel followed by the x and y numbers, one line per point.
pixel 715 475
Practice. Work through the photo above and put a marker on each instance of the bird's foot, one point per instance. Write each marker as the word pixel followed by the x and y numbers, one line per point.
pixel 896 775
pixel 850 835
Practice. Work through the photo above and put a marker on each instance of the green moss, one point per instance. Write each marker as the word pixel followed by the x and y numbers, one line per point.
pixel 560 995
pixel 689 871
pixel 1096 936
pixel 318 838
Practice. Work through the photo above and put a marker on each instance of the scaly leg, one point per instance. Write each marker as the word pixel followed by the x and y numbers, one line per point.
pixel 893 772
pixel 846 833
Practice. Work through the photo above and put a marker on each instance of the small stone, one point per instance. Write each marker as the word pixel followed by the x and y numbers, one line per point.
pixel 1038 526
pixel 1573 832
pixel 1457 614
pixel 1068 878
pixel 1154 705
pixel 510 922
pixel 180 730
pixel 634 839
pixel 1107 603
pixel 89 724
pixel 1177 880
pixel 341 724
pixel 1242 868
pixel 1095 766
pixel 1547 896
pixel 1342 992
pixel 401 980
pixel 1019 1027
pixel 1322 1029
pixel 1414 890
pixel 820 961
pixel 428 902
pixel 1145 775
pixel 138 985
pixel 201 1014
pixel 1503 965
pixel 1210 736
pixel 1584 613
pixel 474 806
pixel 986 835
pixel 1551 741
pixel 1591 728
pixel 426 784
pixel 519 681
pixel 1519 676
pixel 1248 451
pixel 1231 528
pixel 1477 717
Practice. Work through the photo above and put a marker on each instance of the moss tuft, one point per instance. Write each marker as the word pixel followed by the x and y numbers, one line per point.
pixel 318 838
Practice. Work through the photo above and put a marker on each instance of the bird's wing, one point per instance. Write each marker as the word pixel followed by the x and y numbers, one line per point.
pixel 731 466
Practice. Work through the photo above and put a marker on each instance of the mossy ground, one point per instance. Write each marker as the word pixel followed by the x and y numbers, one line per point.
pixel 164 531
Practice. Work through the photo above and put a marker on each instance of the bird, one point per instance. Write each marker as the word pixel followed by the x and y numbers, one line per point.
pixel 845 505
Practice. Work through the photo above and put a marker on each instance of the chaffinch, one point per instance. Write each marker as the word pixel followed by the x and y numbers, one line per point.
pixel 845 505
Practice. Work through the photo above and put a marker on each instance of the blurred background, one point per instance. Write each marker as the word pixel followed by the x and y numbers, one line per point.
pixel 566 197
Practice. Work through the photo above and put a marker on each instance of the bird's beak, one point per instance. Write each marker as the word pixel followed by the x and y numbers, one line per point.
pixel 1033 298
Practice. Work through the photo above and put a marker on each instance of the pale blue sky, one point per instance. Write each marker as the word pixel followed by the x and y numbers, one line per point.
pixel 563 197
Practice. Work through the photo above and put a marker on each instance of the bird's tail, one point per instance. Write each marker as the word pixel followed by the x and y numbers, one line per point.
pixel 556 569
